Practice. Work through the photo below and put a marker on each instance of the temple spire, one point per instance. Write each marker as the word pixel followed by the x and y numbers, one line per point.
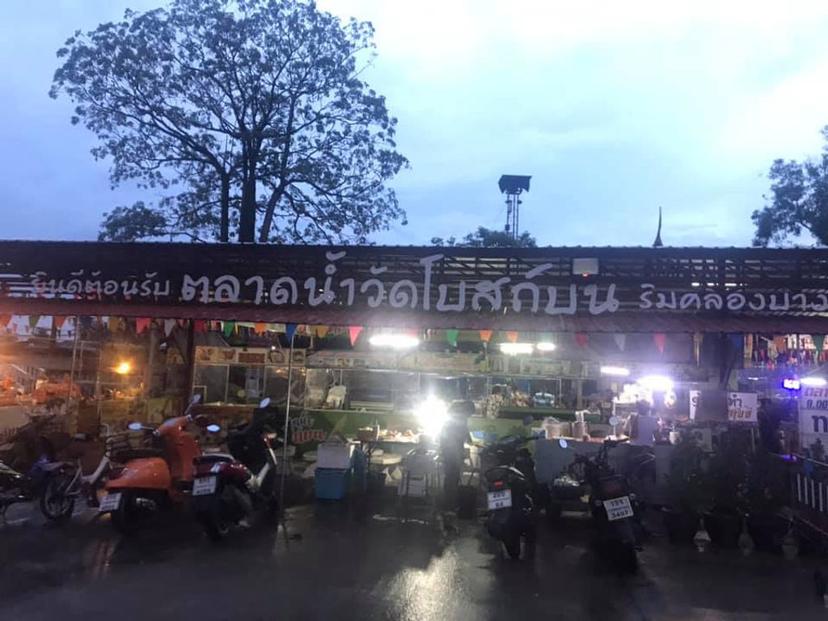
pixel 658 243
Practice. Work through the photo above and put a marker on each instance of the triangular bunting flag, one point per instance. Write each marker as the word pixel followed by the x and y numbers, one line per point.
pixel 512 336
pixel 169 325
pixel 260 328
pixel 228 327
pixel 142 324
pixel 33 319
pixel 660 340
pixel 290 330
pixel 582 338
pixel 451 336
pixel 353 333
pixel 819 342
pixel 58 321
pixel 4 320
pixel 199 325
pixel 322 331
pixel 620 341
pixel 485 335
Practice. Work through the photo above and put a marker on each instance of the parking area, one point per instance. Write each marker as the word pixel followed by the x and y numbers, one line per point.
pixel 363 562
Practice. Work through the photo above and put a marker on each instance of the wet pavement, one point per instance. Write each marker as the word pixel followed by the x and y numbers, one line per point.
pixel 361 562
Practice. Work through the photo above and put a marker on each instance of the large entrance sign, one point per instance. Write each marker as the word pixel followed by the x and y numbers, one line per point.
pixel 625 290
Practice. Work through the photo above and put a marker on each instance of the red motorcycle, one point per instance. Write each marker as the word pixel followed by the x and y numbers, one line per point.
pixel 229 488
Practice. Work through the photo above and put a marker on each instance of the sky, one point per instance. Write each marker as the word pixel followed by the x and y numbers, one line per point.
pixel 613 108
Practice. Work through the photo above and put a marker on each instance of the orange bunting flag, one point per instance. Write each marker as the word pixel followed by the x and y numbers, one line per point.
pixel 321 331
pixel 58 321
pixel 260 328
pixel 512 336
pixel 485 335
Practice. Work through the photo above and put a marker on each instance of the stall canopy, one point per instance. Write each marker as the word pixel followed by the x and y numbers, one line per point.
pixel 579 289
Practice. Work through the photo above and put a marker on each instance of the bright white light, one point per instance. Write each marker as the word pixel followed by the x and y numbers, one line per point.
pixel 657 383
pixel 432 414
pixel 513 349
pixel 616 371
pixel 813 381
pixel 394 341
pixel 546 346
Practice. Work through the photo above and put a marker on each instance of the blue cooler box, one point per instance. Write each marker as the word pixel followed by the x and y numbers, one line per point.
pixel 332 483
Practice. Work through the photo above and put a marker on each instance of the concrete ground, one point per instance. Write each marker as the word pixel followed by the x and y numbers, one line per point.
pixel 364 563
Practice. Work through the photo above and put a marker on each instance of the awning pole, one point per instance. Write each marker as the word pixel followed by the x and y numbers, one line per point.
pixel 285 440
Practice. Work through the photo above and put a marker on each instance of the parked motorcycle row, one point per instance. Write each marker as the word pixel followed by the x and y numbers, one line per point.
pixel 223 489
pixel 589 484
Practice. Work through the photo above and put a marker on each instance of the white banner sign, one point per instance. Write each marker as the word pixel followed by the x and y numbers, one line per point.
pixel 742 407
pixel 813 416
pixel 694 403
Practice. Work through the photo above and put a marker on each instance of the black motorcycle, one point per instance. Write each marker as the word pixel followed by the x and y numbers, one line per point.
pixel 612 505
pixel 509 473
pixel 229 488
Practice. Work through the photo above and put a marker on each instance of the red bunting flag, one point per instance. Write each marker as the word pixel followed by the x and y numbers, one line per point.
pixel 582 338
pixel 200 325
pixel 353 333
pixel 660 340
pixel 142 324
pixel 58 321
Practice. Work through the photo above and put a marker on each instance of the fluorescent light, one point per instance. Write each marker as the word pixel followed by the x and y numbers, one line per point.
pixel 394 341
pixel 513 349
pixel 616 371
pixel 546 346
pixel 813 381
pixel 658 383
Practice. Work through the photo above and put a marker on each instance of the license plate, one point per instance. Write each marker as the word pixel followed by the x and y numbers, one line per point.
pixel 204 486
pixel 500 500
pixel 618 508
pixel 110 502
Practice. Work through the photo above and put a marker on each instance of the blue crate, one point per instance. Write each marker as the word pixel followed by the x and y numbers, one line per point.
pixel 332 483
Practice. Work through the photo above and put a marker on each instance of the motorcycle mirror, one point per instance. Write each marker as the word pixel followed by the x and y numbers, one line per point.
pixel 213 428
pixel 264 402
pixel 563 443
pixel 614 420
pixel 196 398
pixel 135 426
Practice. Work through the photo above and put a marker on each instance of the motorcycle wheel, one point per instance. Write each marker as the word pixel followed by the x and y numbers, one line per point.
pixel 512 544
pixel 627 559
pixel 54 503
pixel 127 518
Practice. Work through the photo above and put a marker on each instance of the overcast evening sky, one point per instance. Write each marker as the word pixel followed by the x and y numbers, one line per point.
pixel 614 108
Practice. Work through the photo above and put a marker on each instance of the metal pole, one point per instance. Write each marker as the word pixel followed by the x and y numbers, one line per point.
pixel 285 441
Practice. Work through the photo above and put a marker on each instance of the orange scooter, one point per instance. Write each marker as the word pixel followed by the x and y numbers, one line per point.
pixel 153 478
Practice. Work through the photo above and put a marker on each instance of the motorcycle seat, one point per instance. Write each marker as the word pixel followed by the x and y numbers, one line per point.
pixel 213 458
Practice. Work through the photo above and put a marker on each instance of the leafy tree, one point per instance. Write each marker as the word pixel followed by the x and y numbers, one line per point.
pixel 244 115
pixel 798 202
pixel 488 238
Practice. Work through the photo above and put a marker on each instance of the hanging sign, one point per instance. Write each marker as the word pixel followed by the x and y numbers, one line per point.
pixel 813 416
pixel 742 407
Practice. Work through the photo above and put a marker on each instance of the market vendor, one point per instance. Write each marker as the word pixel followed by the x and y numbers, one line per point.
pixel 453 438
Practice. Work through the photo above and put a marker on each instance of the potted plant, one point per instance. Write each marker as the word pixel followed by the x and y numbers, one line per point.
pixel 728 474
pixel 766 495
pixel 689 492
